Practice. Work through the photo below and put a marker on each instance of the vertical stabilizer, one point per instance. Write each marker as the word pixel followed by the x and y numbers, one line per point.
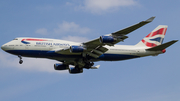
pixel 154 38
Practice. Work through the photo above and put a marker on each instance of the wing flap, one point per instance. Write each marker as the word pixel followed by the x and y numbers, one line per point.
pixel 98 51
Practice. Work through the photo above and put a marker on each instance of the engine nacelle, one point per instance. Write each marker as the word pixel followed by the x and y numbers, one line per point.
pixel 59 66
pixel 107 39
pixel 76 49
pixel 74 70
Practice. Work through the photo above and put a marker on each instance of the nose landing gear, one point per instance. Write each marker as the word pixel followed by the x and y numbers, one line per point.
pixel 20 61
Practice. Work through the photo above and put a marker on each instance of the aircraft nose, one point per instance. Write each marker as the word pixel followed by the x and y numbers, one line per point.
pixel 3 47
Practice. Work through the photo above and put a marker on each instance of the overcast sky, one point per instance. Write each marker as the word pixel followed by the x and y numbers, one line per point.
pixel 143 79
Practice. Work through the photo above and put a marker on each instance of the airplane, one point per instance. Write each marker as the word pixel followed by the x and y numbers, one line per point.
pixel 83 55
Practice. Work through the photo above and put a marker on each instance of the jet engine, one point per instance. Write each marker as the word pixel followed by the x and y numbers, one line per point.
pixel 74 70
pixel 59 66
pixel 76 49
pixel 107 39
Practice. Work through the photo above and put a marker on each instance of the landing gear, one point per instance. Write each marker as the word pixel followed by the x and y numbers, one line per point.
pixel 84 63
pixel 20 59
pixel 88 64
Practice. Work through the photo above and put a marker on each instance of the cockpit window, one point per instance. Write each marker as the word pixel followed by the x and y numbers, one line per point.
pixel 15 39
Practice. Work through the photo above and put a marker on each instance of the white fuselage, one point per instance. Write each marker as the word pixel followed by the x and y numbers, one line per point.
pixel 45 48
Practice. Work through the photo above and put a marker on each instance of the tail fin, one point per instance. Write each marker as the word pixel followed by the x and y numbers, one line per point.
pixel 154 38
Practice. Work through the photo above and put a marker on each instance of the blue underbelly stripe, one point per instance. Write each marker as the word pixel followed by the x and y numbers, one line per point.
pixel 52 54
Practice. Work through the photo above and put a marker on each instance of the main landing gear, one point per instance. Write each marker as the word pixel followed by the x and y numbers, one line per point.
pixel 20 59
pixel 88 64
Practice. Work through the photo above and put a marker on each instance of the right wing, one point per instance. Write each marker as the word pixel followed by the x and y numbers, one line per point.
pixel 121 33
pixel 95 48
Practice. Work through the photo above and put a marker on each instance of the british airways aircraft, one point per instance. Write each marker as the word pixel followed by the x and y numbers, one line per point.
pixel 83 55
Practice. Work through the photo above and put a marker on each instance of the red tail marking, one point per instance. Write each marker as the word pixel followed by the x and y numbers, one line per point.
pixel 165 31
pixel 161 31
pixel 148 44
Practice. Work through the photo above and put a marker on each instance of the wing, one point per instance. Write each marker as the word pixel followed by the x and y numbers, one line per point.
pixel 95 47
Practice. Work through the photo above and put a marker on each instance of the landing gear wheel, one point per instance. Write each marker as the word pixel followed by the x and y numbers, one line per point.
pixel 20 61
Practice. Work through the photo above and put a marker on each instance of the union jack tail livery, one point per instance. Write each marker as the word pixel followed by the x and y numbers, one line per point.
pixel 154 38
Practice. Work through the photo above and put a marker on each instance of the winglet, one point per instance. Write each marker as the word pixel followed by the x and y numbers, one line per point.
pixel 162 46
pixel 150 19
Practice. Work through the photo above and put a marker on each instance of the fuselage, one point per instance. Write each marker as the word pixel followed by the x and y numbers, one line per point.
pixel 45 48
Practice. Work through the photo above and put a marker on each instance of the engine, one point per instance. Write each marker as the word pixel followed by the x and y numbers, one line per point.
pixel 74 70
pixel 107 39
pixel 59 66
pixel 76 49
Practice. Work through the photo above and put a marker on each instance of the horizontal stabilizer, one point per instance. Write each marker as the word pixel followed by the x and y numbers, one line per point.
pixel 162 46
